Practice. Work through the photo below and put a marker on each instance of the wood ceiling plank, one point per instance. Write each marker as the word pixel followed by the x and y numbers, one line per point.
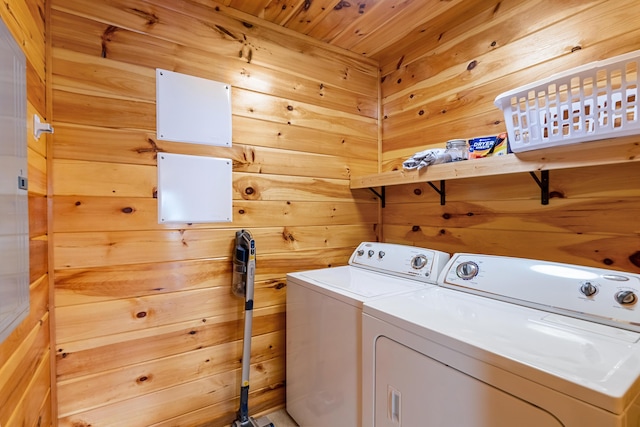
pixel 311 14
pixel 339 18
pixel 381 34
pixel 376 16
pixel 282 11
pixel 255 7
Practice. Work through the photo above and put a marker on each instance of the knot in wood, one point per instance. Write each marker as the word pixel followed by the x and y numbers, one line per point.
pixel 472 65
pixel 415 228
pixel 141 314
pixel 249 190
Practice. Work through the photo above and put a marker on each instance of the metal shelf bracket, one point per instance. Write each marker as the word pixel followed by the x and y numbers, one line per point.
pixel 440 191
pixel 543 183
pixel 381 195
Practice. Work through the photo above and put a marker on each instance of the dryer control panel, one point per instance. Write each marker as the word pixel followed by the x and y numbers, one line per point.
pixel 604 296
pixel 400 260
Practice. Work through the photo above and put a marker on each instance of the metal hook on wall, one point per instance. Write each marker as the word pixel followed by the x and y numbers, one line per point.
pixel 40 127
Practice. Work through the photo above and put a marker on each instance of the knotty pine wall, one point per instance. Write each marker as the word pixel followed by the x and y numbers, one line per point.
pixel 147 329
pixel 440 83
pixel 25 356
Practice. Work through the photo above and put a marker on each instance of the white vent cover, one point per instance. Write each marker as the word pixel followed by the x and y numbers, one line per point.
pixel 194 189
pixel 192 109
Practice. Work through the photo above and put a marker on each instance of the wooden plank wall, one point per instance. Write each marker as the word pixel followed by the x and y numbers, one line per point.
pixel 25 356
pixel 148 332
pixel 440 83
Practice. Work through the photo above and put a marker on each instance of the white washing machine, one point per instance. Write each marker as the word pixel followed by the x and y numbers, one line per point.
pixel 324 326
pixel 505 342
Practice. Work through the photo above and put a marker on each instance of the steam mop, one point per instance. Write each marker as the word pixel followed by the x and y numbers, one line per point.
pixel 244 270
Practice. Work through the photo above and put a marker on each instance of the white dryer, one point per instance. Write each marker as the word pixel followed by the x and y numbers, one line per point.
pixel 526 343
pixel 324 326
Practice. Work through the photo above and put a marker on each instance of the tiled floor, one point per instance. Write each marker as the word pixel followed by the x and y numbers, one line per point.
pixel 280 418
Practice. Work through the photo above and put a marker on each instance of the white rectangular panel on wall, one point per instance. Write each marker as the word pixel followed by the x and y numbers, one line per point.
pixel 194 189
pixel 192 109
pixel 14 201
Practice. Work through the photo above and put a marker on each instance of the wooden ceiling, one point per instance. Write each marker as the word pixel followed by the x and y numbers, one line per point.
pixel 365 27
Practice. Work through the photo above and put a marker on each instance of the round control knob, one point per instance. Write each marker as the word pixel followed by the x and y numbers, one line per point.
pixel 381 254
pixel 370 253
pixel 588 289
pixel 418 262
pixel 626 298
pixel 467 270
pixel 360 252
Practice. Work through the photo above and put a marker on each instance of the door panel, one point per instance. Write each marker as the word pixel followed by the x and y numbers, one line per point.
pixel 412 389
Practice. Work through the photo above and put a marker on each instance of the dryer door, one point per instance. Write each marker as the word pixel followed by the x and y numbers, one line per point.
pixel 412 389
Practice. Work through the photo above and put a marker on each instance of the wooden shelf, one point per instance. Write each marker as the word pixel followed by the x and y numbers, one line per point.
pixel 612 151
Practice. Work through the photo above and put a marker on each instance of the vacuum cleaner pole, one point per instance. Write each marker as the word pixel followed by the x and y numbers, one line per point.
pixel 244 271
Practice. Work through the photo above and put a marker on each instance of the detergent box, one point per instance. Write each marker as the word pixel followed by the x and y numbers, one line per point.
pixel 488 146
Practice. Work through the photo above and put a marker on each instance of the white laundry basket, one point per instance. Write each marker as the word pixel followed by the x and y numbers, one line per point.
pixel 595 101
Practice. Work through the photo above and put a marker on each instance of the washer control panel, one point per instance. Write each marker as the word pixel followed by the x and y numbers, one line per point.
pixel 603 296
pixel 400 260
